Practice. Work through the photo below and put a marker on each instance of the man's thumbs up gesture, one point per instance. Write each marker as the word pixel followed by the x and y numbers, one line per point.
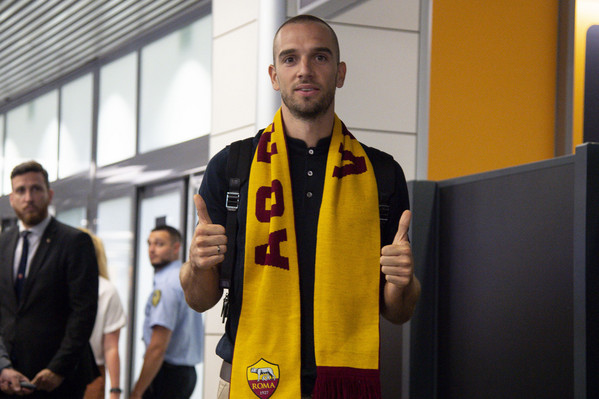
pixel 396 259
pixel 397 264
pixel 209 242
pixel 200 274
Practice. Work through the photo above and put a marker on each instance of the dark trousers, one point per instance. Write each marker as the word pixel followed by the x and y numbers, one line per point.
pixel 172 382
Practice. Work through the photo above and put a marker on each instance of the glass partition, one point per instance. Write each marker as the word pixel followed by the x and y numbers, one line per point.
pixel 75 130
pixel 114 227
pixel 117 118
pixel 75 217
pixel 1 149
pixel 175 87
pixel 32 134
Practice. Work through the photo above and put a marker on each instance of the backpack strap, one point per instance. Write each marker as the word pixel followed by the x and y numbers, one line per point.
pixel 238 170
pixel 384 171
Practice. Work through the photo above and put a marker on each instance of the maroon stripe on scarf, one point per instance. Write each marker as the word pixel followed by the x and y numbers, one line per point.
pixel 347 383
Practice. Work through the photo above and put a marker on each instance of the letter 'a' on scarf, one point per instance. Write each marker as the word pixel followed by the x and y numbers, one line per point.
pixel 267 356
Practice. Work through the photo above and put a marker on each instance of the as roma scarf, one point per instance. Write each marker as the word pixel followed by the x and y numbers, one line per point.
pixel 266 360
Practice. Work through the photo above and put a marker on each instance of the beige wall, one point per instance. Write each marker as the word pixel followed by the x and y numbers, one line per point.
pixel 380 44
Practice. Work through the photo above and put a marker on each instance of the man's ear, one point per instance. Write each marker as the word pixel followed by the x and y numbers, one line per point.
pixel 177 246
pixel 341 71
pixel 272 72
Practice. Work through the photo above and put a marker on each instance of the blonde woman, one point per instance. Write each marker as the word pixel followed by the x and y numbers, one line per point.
pixel 105 335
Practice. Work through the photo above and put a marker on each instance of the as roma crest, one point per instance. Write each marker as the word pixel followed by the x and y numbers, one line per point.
pixel 263 378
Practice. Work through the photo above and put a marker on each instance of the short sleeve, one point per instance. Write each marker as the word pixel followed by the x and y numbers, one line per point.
pixel 114 318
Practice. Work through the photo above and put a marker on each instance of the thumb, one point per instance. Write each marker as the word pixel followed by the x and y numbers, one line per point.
pixel 201 209
pixel 404 226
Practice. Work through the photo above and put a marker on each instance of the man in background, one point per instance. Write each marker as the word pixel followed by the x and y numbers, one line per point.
pixel 172 331
pixel 48 296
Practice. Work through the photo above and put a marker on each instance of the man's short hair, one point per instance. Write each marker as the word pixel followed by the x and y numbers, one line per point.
pixel 306 18
pixel 30 166
pixel 172 232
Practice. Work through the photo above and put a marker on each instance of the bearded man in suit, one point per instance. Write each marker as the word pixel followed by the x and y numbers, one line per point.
pixel 48 297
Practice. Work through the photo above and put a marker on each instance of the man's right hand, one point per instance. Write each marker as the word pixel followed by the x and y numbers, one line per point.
pixel 200 275
pixel 209 243
pixel 10 382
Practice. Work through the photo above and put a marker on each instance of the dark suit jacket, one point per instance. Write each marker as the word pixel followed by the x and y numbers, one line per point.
pixel 51 326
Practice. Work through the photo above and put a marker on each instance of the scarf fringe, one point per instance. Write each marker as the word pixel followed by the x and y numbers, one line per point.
pixel 347 383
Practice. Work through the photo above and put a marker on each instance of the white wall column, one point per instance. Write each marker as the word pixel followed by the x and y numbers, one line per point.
pixel 271 14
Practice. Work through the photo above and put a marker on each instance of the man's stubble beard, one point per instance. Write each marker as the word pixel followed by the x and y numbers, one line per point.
pixel 306 110
pixel 160 265
pixel 32 218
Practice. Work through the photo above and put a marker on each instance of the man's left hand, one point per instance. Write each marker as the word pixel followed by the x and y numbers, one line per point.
pixel 47 380
pixel 397 263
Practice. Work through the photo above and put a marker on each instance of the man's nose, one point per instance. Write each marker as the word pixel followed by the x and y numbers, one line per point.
pixel 305 67
pixel 28 196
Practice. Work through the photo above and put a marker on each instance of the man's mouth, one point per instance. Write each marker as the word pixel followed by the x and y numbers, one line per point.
pixel 306 89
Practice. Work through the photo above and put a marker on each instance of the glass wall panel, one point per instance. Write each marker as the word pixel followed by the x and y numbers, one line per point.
pixel 32 133
pixel 117 111
pixel 75 130
pixel 167 207
pixel 114 227
pixel 176 87
pixel 1 149
pixel 75 217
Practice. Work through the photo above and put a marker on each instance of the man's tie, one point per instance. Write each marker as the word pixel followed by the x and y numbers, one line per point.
pixel 22 265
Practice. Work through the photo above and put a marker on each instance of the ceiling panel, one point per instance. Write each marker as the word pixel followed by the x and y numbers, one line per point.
pixel 43 40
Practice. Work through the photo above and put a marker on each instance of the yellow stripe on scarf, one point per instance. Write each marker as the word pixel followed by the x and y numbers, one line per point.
pixel 267 356
pixel 346 287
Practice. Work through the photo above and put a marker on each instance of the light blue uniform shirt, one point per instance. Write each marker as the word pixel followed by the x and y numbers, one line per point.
pixel 167 307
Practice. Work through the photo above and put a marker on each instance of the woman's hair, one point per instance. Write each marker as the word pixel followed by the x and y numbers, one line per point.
pixel 100 253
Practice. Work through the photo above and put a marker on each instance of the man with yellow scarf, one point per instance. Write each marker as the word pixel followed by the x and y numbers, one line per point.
pixel 314 267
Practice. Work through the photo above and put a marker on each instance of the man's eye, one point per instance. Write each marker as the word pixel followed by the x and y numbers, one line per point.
pixel 321 58
pixel 288 60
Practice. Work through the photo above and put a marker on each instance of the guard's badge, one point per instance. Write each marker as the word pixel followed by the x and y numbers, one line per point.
pixel 156 295
pixel 263 378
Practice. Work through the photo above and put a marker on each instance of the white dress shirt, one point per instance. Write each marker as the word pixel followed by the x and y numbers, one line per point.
pixel 34 242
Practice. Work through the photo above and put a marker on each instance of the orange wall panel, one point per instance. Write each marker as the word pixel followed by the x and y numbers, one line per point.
pixel 493 85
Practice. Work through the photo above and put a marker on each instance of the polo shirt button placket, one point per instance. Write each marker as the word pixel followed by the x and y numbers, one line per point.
pixel 310 173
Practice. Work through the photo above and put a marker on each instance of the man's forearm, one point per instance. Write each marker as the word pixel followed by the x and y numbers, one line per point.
pixel 81 273
pixel 201 287
pixel 152 363
pixel 76 338
pixel 161 336
pixel 4 359
pixel 399 304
